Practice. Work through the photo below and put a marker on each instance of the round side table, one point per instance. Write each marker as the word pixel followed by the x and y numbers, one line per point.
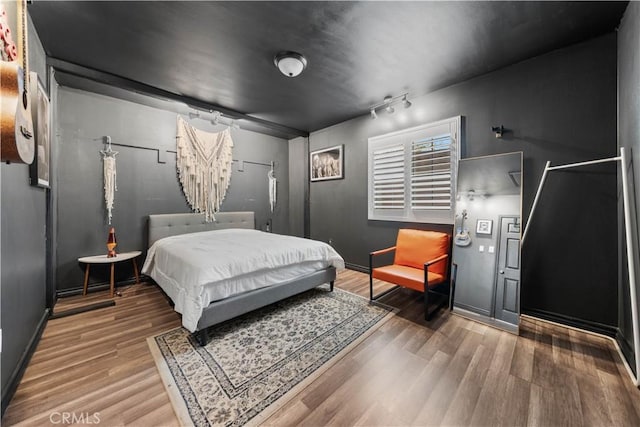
pixel 102 259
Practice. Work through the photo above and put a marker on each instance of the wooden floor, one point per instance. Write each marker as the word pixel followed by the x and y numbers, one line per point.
pixel 449 372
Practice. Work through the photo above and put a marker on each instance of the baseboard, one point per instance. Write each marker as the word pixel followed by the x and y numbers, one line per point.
pixel 627 350
pixel 586 325
pixel 356 267
pixel 84 308
pixel 98 286
pixel 18 372
pixel 491 321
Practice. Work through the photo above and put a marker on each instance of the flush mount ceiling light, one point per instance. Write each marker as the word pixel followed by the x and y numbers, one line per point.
pixel 291 64
pixel 387 104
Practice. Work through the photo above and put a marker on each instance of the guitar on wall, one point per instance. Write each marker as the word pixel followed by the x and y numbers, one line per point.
pixel 16 123
pixel 462 237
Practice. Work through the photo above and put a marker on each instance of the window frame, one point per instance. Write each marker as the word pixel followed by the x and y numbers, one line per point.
pixel 406 137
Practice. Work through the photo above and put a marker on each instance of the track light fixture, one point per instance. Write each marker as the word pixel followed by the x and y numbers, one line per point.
pixel 387 104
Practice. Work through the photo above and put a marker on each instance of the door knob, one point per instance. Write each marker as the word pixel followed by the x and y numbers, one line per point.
pixel 501 271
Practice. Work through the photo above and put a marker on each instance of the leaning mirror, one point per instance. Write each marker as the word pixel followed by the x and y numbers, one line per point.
pixel 486 251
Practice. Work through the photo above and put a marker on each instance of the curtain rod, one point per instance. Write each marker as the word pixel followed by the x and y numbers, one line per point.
pixel 142 88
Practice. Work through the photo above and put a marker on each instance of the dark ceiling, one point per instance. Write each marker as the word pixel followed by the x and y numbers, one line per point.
pixel 222 53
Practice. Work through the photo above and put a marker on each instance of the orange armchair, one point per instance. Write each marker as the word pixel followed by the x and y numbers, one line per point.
pixel 420 263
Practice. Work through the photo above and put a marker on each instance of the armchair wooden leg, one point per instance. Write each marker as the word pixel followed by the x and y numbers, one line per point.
pixel 370 277
pixel 426 294
pixel 439 301
pixel 370 287
pixel 427 315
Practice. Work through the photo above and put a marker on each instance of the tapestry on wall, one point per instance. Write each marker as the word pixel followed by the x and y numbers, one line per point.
pixel 204 162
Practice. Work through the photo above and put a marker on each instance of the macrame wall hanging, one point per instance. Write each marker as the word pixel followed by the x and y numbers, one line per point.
pixel 110 185
pixel 204 162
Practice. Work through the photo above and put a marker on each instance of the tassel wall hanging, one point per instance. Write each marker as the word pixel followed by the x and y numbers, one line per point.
pixel 110 185
pixel 273 183
pixel 204 162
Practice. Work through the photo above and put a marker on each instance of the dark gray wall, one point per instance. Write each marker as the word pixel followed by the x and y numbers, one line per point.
pixel 628 137
pixel 559 107
pixel 23 264
pixel 144 185
pixel 298 149
pixel 23 250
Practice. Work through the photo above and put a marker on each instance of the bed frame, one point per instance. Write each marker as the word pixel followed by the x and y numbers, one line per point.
pixel 166 225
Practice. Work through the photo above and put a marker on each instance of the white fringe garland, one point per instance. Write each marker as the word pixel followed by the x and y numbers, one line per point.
pixel 110 184
pixel 204 162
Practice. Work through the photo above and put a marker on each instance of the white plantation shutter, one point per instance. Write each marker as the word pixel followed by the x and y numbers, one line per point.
pixel 412 173
pixel 388 178
pixel 431 173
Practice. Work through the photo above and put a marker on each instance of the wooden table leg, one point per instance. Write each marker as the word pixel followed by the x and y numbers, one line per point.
pixel 86 279
pixel 135 270
pixel 111 282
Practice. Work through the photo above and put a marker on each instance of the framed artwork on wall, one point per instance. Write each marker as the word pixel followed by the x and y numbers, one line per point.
pixel 327 163
pixel 39 169
pixel 484 226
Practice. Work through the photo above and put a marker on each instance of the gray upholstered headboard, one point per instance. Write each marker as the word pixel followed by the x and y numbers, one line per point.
pixel 165 225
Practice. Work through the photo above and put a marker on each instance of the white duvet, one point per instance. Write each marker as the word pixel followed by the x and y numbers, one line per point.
pixel 198 268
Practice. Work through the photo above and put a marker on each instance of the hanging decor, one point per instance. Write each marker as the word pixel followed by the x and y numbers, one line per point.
pixel 204 167
pixel 110 185
pixel 273 182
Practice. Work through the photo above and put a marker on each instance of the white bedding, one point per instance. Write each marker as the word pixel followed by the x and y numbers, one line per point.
pixel 197 268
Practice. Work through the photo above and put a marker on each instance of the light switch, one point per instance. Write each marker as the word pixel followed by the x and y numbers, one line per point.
pixel 481 248
pixel 492 249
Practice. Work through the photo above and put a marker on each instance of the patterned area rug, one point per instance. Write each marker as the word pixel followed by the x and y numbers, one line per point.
pixel 257 362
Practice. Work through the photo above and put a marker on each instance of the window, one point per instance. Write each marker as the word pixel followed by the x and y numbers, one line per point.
pixel 412 173
pixel 388 177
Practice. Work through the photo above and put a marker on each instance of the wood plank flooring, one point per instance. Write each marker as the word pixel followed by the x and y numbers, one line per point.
pixel 451 371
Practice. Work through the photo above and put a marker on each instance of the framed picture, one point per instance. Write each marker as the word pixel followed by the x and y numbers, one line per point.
pixel 39 169
pixel 327 163
pixel 484 226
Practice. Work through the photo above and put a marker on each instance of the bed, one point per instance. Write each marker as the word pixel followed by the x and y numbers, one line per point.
pixel 216 271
